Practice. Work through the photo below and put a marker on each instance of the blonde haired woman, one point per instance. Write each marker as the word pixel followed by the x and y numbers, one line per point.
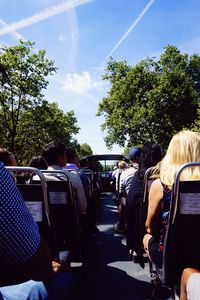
pixel 184 147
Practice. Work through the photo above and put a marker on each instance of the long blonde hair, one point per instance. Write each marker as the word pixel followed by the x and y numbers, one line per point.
pixel 184 147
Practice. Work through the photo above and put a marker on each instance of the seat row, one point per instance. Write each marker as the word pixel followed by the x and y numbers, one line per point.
pixel 181 244
pixel 52 204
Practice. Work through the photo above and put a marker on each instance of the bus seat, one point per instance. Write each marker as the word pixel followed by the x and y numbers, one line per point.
pixel 63 210
pixel 181 246
pixel 35 197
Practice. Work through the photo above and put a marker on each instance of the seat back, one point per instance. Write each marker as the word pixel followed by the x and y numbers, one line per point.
pixel 147 175
pixel 63 209
pixel 182 248
pixel 90 175
pixel 36 200
pixel 144 203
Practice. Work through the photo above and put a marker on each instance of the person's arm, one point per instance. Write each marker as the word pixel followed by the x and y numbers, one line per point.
pixel 39 266
pixel 184 280
pixel 155 197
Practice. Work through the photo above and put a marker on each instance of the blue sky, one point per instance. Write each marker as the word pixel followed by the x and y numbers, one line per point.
pixel 80 35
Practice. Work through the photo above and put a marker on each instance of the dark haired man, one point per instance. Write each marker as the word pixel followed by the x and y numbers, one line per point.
pixel 55 155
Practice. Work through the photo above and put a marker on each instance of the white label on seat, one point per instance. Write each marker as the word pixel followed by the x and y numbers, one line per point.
pixel 58 197
pixel 190 203
pixel 35 209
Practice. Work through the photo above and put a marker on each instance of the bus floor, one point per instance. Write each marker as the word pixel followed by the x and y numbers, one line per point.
pixel 106 272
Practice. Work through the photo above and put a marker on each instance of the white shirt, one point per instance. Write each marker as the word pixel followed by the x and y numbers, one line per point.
pixel 125 179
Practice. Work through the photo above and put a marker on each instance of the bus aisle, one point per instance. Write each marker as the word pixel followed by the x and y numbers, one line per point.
pixel 106 272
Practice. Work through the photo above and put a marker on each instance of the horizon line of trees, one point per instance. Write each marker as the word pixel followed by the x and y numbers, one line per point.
pixel 27 120
pixel 147 102
pixel 152 100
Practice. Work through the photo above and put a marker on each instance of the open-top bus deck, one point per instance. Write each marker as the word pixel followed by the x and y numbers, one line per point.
pixel 106 271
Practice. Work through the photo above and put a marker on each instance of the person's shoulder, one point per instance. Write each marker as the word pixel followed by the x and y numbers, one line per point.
pixel 74 177
pixel 70 174
pixel 156 187
pixel 130 170
pixel 156 183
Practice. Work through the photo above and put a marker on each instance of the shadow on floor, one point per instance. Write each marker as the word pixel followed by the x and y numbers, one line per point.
pixel 107 273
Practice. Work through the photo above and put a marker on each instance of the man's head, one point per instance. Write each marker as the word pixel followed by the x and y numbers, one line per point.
pixel 134 154
pixel 55 154
pixel 84 162
pixel 71 155
pixel 122 165
pixel 7 157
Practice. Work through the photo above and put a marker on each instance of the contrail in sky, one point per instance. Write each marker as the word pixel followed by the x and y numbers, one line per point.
pixel 141 15
pixel 49 12
pixel 14 33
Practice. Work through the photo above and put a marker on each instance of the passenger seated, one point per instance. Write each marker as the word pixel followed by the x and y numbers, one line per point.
pixel 72 160
pixel 7 157
pixel 55 155
pixel 124 186
pixel 127 175
pixel 151 154
pixel 190 283
pixel 119 227
pixel 122 165
pixel 113 177
pixel 38 162
pixel 184 147
pixel 28 270
pixel 73 165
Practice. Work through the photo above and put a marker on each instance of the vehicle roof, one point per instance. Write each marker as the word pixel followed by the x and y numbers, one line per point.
pixel 106 157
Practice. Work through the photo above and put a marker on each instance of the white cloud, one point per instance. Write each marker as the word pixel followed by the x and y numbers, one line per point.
pixel 49 12
pixel 81 83
pixel 61 38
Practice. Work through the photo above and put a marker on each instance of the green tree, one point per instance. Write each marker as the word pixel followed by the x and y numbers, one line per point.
pixel 152 100
pixel 83 150
pixel 28 121
pixel 22 78
pixel 40 126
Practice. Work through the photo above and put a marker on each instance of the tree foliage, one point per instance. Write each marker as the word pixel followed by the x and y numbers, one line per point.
pixel 84 150
pixel 28 121
pixel 41 125
pixel 152 100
